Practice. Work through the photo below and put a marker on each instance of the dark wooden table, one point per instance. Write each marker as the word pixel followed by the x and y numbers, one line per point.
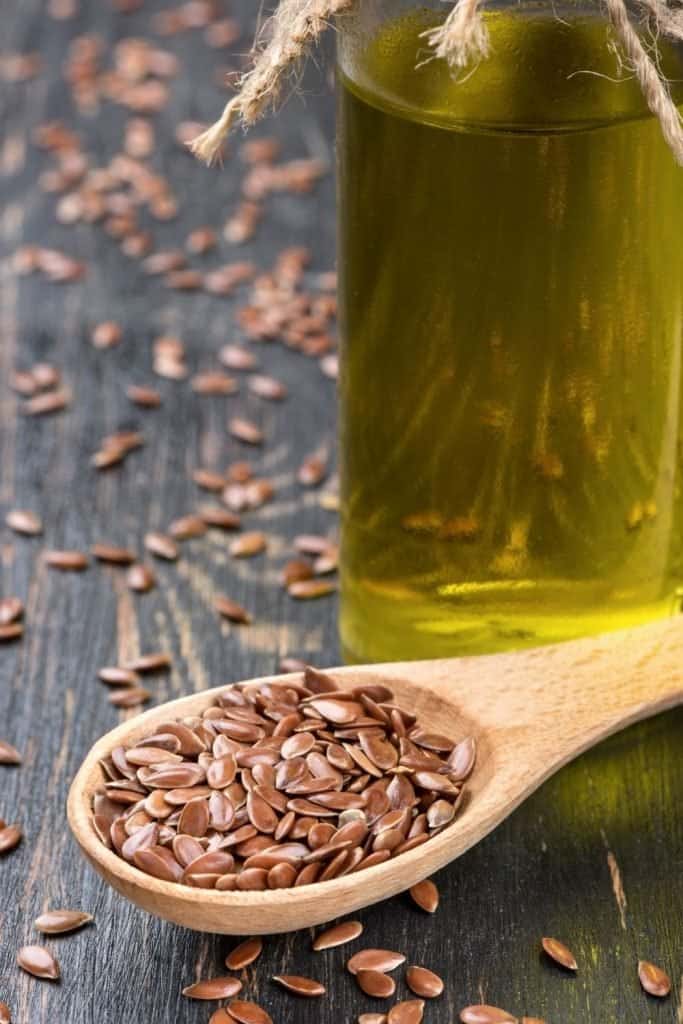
pixel 552 869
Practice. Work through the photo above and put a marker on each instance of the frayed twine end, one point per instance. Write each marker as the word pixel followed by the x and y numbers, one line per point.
pixel 207 147
pixel 463 38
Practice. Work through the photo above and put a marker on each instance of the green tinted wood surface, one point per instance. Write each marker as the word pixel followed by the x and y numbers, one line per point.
pixel 544 872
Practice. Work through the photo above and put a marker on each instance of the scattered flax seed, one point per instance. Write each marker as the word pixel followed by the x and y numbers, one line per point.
pixel 184 280
pixel 220 518
pixel 410 1011
pixel 5 1014
pixel 208 480
pixel 187 527
pixel 108 334
pixel 244 430
pixel 111 553
pixel 140 578
pixel 66 561
pixel 214 382
pixel 482 1013
pixel 47 402
pixel 162 546
pixel 10 837
pixel 248 544
pixel 248 1013
pixel 339 934
pixel 130 697
pixel 300 986
pixel 215 988
pixel 8 753
pixel 376 984
pixel 424 982
pixel 115 675
pixel 312 470
pixel 264 386
pixel 231 610
pixel 58 922
pixel 235 357
pixel 10 632
pixel 39 962
pixel 144 397
pixel 11 610
pixel 156 662
pixel 372 1018
pixel 558 952
pixel 244 954
pixel 201 240
pixel 654 980
pixel 23 521
pixel 381 960
pixel 306 590
pixel 291 665
pixel 296 569
pixel 221 1016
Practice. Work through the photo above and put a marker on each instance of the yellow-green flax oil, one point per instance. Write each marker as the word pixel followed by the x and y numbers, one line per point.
pixel 511 259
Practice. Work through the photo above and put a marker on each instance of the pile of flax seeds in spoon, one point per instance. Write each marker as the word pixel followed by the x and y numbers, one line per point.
pixel 274 786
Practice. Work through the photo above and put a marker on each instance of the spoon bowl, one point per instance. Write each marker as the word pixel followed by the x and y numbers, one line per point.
pixel 530 712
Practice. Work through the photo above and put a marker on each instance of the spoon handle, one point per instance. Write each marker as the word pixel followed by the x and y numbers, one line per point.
pixel 551 703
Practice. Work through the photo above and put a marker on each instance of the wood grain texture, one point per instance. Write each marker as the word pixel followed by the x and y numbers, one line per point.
pixel 545 871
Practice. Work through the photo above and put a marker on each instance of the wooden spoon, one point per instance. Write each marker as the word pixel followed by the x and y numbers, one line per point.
pixel 531 712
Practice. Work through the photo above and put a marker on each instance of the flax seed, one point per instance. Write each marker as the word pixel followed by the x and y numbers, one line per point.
pixel 58 922
pixel 23 521
pixel 67 561
pixel 39 962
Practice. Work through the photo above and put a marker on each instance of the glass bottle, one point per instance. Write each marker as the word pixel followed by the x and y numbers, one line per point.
pixel 511 300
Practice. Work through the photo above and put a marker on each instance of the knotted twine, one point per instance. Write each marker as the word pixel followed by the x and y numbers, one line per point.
pixel 461 40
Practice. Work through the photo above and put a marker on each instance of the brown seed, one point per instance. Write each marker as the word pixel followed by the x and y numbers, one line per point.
pixel 214 383
pixel 312 470
pixel 140 578
pixel 11 609
pixel 337 935
pixel 13 631
pixel 208 480
pixel 10 837
pixel 106 335
pixel 113 675
pixel 237 358
pixel 244 954
pixel 410 1011
pixel 22 521
pixel 214 988
pixel 156 662
pixel 187 527
pixel 375 960
pixel 58 922
pixel 115 555
pixel 462 758
pixel 44 404
pixel 8 753
pixel 39 962
pixel 243 430
pixel 558 952
pixel 482 1013
pixel 161 545
pixel 372 1018
pixel 66 561
pixel 424 982
pixel 267 387
pixel 654 980
pixel 305 590
pixel 220 518
pixel 129 697
pixel 248 1013
pixel 5 1015
pixel 300 986
pixel 231 610
pixel 248 544
pixel 426 895
pixel 376 984
pixel 146 398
